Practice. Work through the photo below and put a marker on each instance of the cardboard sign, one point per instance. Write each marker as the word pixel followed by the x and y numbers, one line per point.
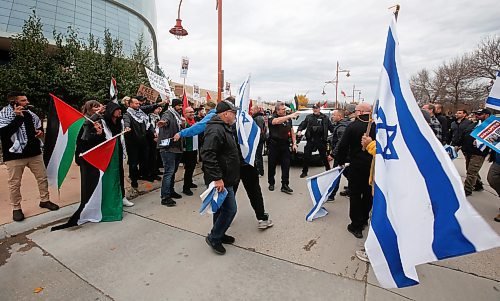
pixel 150 93
pixel 488 132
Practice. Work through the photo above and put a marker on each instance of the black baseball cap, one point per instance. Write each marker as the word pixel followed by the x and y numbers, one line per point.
pixel 224 106
pixel 482 111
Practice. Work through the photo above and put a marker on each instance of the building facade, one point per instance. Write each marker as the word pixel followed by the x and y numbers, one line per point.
pixel 125 19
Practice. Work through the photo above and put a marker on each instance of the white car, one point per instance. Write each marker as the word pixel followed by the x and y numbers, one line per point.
pixel 302 143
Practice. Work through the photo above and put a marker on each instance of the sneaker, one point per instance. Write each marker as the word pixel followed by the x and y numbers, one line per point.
pixel 356 233
pixel 168 202
pixel 17 215
pixel 49 205
pixel 175 195
pixel 303 175
pixel 127 203
pixel 134 184
pixel 286 189
pixel 193 185
pixel 497 218
pixel 218 248
pixel 227 239
pixel 361 254
pixel 187 192
pixel 265 224
pixel 271 187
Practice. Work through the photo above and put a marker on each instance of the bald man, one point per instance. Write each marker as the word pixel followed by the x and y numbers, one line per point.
pixel 360 193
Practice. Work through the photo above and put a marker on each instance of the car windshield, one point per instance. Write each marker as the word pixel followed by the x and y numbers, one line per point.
pixel 302 116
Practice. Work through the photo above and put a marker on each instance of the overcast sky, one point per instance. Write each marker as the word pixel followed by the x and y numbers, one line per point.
pixel 292 46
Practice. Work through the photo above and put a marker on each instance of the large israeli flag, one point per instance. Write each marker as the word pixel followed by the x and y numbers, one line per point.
pixel 320 187
pixel 248 130
pixel 420 213
pixel 493 100
pixel 211 199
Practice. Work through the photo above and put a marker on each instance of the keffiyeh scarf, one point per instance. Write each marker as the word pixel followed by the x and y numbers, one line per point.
pixel 139 116
pixel 19 138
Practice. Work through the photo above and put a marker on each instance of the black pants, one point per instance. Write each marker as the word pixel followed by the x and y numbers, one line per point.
pixel 189 160
pixel 250 178
pixel 278 152
pixel 137 156
pixel 346 175
pixel 310 147
pixel 360 196
pixel 259 161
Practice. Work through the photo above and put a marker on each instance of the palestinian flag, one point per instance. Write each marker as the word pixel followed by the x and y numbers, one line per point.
pixel 63 125
pixel 185 103
pixel 113 91
pixel 101 191
pixel 209 98
pixel 295 103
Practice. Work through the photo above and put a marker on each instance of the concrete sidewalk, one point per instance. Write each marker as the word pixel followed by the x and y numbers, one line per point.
pixel 159 253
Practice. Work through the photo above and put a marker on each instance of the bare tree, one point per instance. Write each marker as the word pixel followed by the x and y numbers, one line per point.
pixel 421 86
pixel 486 58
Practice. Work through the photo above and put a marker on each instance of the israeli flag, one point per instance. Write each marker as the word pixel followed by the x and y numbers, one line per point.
pixel 493 100
pixel 212 199
pixel 420 213
pixel 451 151
pixel 320 187
pixel 248 131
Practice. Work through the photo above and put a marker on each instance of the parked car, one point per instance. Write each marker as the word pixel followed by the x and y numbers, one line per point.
pixel 301 140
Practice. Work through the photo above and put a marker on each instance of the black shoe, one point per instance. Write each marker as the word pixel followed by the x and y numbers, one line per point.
pixel 271 187
pixel 218 248
pixel 168 202
pixel 134 184
pixel 331 198
pixel 192 185
pixel 286 189
pixel 228 240
pixel 479 187
pixel 467 193
pixel 496 219
pixel 17 215
pixel 344 193
pixel 49 205
pixel 187 192
pixel 175 195
pixel 303 175
pixel 356 233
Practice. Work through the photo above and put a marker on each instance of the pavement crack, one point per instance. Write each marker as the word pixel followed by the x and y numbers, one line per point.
pixel 310 244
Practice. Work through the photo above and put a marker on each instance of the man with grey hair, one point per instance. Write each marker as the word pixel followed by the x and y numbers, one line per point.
pixel 280 130
pixel 434 122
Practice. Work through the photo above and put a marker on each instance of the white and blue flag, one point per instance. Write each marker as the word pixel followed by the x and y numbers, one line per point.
pixel 451 151
pixel 320 187
pixel 247 128
pixel 212 199
pixel 420 213
pixel 493 100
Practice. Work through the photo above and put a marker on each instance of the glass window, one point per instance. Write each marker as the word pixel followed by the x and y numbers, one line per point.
pixel 14 28
pixel 22 8
pixel 3 26
pixel 65 5
pixel 30 3
pixel 4 19
pixel 6 5
pixel 82 23
pixel 65 18
pixel 64 11
pixel 46 6
pixel 16 22
pixel 46 14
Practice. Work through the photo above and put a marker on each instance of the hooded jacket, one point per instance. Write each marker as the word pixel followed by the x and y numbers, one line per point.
pixel 220 155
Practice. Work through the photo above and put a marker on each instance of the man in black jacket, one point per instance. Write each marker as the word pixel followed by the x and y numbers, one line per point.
pixel 474 156
pixel 458 128
pixel 20 130
pixel 258 117
pixel 221 160
pixel 340 123
pixel 360 192
pixel 317 125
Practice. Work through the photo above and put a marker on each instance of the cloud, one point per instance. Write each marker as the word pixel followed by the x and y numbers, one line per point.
pixel 292 46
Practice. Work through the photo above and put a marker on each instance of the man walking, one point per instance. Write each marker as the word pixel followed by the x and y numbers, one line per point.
pixel 170 151
pixel 20 132
pixel 220 165
pixel 258 117
pixel 189 154
pixel 340 123
pixel 360 192
pixel 316 125
pixel 280 130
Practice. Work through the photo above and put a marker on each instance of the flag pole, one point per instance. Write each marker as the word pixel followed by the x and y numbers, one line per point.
pixel 370 122
pixel 100 144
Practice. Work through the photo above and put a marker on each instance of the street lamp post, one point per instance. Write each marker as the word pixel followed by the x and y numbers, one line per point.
pixel 178 31
pixel 339 70
pixel 355 90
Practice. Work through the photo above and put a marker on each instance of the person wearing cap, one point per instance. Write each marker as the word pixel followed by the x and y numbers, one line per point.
pixel 280 130
pixel 220 158
pixel 474 155
pixel 171 122
pixel 316 125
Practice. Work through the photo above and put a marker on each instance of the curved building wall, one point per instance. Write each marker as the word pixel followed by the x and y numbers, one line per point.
pixel 125 19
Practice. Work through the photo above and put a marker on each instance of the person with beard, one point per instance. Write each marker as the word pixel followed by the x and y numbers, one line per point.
pixel 137 124
pixel 171 123
pixel 258 117
pixel 220 157
pixel 360 192
pixel 189 154
pixel 112 125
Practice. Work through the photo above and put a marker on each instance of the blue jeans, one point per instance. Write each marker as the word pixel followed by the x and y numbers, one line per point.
pixel 224 217
pixel 170 165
